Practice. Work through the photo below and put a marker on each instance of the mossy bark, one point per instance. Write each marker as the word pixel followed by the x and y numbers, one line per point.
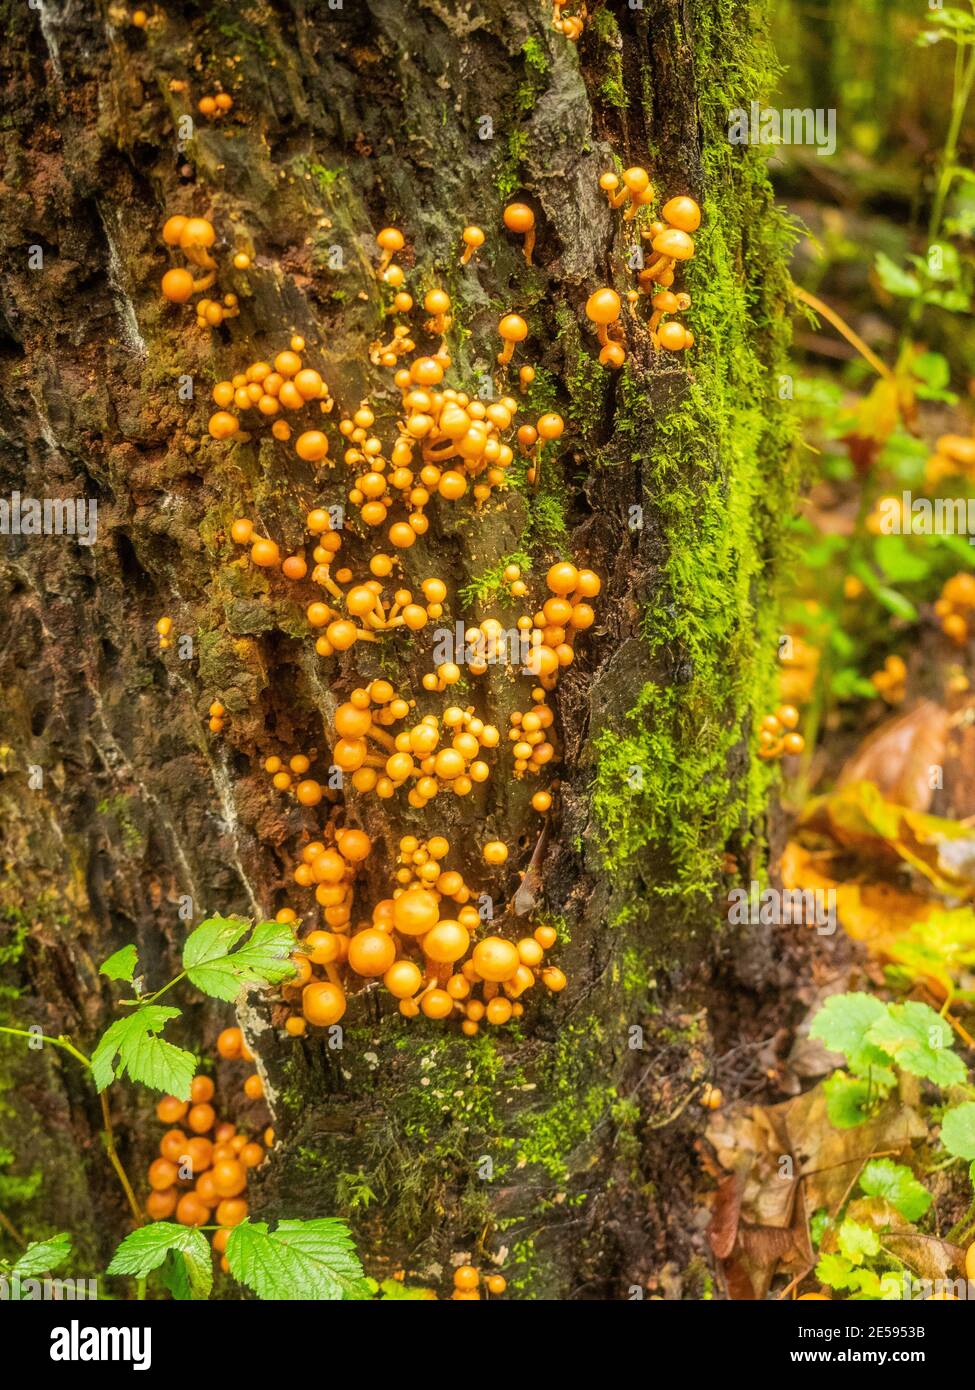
pixel 674 484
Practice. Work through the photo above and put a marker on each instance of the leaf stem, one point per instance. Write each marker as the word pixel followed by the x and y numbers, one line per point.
pixel 108 1133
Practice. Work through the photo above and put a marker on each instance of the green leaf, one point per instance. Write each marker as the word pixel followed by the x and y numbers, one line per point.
pixel 187 1277
pixel 895 603
pixel 121 965
pixel 919 1041
pixel 958 1130
pixel 216 969
pixel 857 1242
pixel 146 1057
pixel 844 1020
pixel 819 1224
pixel 297 1260
pixel 895 280
pixel 146 1249
pixel 896 1182
pixel 392 1289
pixel 43 1255
pixel 847 1100
pixel 898 561
pixel 932 368
pixel 836 1272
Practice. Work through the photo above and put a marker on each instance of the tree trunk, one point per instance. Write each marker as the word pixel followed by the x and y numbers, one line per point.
pixel 673 482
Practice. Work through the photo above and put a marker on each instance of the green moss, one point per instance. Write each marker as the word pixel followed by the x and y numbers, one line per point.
pixel 487 585
pixel 719 477
pixel 509 175
pixel 549 1136
pixel 536 66
pixel 536 59
pixel 609 58
pixel 117 808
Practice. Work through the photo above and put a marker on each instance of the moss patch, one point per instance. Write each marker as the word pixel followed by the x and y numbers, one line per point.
pixel 718 483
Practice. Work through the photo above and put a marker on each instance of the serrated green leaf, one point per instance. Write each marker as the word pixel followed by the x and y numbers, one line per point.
pixel 919 1041
pixel 836 1272
pixel 121 965
pixel 958 1130
pixel 844 1020
pixel 896 1182
pixel 43 1255
pixel 146 1057
pixel 857 1242
pixel 215 968
pixel 297 1260
pixel 847 1100
pixel 145 1249
pixel 186 1277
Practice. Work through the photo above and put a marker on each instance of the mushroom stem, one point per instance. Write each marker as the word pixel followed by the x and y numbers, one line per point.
pixel 382 738
pixel 204 283
pixel 200 257
pixel 504 357
pixel 529 245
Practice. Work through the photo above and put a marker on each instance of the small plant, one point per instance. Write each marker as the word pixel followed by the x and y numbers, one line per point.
pixel 292 1260
pixel 879 1040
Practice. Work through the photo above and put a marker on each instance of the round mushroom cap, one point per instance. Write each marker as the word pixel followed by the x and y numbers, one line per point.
pixel 675 244
pixel 603 306
pixel 513 328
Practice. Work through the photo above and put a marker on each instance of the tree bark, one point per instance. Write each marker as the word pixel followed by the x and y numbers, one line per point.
pixel 673 483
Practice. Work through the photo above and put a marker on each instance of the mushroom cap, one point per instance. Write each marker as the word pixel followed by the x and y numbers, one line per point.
pixel 612 355
pixel 665 302
pixel 222 425
pixel 674 243
pixel 311 446
pixel 177 285
pixel 436 302
pixel 551 426
pixel 426 371
pixel 513 328
pixel 518 217
pixel 391 239
pixel 672 336
pixel 496 959
pixel 173 229
pixel 636 179
pixel 609 182
pixel 473 236
pixel 682 212
pixel 197 232
pixel 603 306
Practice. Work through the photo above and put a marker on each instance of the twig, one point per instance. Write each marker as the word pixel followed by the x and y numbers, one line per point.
pixel 12 1231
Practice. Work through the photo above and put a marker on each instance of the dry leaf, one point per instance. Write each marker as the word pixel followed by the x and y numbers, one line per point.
pixel 898 756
